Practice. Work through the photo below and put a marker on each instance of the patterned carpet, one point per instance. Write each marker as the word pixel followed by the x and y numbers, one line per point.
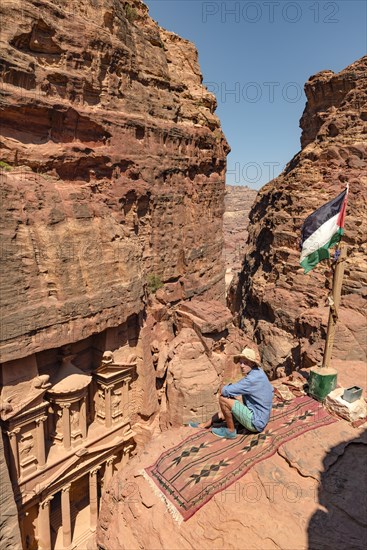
pixel 189 475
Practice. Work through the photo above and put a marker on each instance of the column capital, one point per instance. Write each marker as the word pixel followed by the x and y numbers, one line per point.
pixel 14 432
pixel 94 471
pixel 107 388
pixel 66 488
pixel 66 405
pixel 46 502
pixel 111 459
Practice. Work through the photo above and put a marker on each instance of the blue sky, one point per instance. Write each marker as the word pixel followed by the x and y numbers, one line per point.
pixel 256 56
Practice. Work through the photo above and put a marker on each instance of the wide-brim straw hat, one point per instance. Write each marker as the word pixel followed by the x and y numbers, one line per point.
pixel 249 354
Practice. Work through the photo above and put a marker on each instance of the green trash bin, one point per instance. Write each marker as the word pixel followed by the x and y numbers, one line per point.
pixel 321 382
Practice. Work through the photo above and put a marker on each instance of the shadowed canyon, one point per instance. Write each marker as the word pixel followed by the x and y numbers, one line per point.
pixel 131 276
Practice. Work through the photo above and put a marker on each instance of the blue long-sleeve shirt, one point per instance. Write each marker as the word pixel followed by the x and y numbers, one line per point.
pixel 257 395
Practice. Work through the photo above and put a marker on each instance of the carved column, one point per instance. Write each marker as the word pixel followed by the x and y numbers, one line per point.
pixel 108 390
pixel 91 409
pixel 41 451
pixel 65 513
pixel 125 398
pixel 66 425
pixel 112 395
pixel 50 420
pixel 43 527
pixel 93 498
pixel 109 469
pixel 83 417
pixel 126 454
pixel 14 464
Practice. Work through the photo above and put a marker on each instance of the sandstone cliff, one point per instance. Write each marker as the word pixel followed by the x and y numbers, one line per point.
pixel 9 527
pixel 113 170
pixel 285 309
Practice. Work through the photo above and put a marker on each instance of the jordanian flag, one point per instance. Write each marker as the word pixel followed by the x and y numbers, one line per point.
pixel 322 230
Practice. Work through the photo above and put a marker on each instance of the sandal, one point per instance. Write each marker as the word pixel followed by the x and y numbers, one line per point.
pixel 193 424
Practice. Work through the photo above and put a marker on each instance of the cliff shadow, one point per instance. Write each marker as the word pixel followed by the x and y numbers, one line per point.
pixel 342 523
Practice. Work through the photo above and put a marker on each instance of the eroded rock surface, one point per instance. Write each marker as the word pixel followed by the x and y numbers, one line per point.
pixel 9 526
pixel 287 310
pixel 115 170
pixel 238 202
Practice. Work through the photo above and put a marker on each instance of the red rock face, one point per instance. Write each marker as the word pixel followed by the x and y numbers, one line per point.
pixel 9 528
pixel 285 309
pixel 114 174
pixel 238 202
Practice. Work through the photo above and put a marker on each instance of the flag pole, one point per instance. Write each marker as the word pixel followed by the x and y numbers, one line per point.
pixel 334 304
pixel 323 378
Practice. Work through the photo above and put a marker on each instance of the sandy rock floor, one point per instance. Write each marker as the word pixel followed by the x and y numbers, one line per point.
pixel 310 495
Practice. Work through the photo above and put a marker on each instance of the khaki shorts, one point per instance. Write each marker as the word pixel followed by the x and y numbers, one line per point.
pixel 243 415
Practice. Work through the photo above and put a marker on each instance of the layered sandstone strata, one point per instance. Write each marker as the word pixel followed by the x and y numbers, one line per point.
pixel 286 309
pixel 116 170
pixel 237 203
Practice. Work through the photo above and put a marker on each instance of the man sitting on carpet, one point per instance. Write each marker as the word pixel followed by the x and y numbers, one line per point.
pixel 253 396
pixel 249 400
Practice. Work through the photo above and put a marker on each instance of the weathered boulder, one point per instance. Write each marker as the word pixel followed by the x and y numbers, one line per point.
pixel 207 317
pixel 192 381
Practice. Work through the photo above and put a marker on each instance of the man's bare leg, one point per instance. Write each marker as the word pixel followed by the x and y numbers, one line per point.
pixel 208 424
pixel 226 405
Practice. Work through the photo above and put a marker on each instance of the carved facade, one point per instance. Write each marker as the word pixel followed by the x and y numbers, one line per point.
pixel 66 432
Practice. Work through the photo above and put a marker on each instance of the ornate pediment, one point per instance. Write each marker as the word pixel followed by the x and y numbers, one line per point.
pixel 121 361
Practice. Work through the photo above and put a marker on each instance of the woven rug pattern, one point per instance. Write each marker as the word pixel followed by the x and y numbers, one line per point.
pixel 189 475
